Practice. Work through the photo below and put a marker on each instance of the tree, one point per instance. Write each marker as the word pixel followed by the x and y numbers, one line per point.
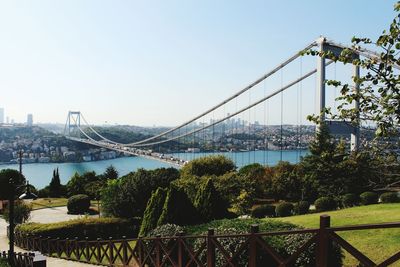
pixel 5 187
pixel 153 211
pixel 55 188
pixel 127 197
pixel 379 94
pixel 76 185
pixel 211 165
pixel 209 203
pixel 110 173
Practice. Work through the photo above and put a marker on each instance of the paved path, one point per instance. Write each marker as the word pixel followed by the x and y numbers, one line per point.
pixel 44 215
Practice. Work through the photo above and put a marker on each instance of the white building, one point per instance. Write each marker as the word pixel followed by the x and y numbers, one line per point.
pixel 29 120
pixel 1 115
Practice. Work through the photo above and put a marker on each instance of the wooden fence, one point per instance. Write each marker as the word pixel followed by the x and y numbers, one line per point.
pixel 206 250
pixel 19 259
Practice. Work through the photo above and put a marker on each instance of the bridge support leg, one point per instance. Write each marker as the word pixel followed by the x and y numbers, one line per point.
pixel 321 81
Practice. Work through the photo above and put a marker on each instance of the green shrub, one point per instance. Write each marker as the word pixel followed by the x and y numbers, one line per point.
pixel 85 227
pixel 285 245
pixel 78 204
pixel 390 197
pixel 4 263
pixel 350 200
pixel 209 203
pixel 263 211
pixel 22 212
pixel 127 197
pixel 368 198
pixel 284 209
pixel 301 207
pixel 210 165
pixel 153 211
pixel 166 230
pixel 325 204
pixel 178 209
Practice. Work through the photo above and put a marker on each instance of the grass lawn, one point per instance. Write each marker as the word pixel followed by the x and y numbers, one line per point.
pixel 378 244
pixel 42 203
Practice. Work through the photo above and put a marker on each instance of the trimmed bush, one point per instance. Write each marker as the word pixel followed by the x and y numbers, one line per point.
pixel 301 207
pixel 263 211
pixel 390 197
pixel 153 211
pixel 325 204
pixel 350 200
pixel 368 198
pixel 78 204
pixel 178 209
pixel 209 203
pixel 284 209
pixel 85 227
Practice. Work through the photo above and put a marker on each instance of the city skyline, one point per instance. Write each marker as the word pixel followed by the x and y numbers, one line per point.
pixel 144 64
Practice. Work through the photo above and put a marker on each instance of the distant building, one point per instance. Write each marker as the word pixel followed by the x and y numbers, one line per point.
pixel 29 120
pixel 1 115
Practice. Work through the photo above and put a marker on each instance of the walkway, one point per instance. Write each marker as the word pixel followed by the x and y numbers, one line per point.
pixel 44 215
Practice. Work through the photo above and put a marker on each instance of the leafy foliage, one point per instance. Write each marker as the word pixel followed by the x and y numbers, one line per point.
pixel 209 203
pixel 263 211
pixel 207 166
pixel 5 187
pixel 178 209
pixel 325 204
pixel 301 207
pixel 390 197
pixel 153 211
pixel 350 200
pixel 368 198
pixel 127 197
pixel 78 204
pixel 284 209
pixel 84 227
pixel 22 212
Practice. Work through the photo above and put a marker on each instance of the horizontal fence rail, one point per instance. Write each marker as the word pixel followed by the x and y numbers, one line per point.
pixel 250 249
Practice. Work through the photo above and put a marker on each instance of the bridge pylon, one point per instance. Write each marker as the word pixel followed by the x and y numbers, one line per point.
pixel 336 127
pixel 73 123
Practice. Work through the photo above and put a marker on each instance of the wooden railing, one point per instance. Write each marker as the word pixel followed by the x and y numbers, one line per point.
pixel 19 259
pixel 205 250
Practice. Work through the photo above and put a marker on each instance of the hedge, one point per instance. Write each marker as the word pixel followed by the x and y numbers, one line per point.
pixel 390 197
pixel 325 204
pixel 263 211
pixel 350 200
pixel 301 207
pixel 284 209
pixel 84 227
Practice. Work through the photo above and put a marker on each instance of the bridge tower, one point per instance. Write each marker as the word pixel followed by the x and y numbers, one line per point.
pixel 73 122
pixel 336 127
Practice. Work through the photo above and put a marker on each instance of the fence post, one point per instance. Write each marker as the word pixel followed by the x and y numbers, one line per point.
pixel 98 248
pixel 180 248
pixel 210 249
pixel 87 250
pixel 124 251
pixel 111 250
pixel 323 241
pixel 158 252
pixel 253 245
pixel 77 254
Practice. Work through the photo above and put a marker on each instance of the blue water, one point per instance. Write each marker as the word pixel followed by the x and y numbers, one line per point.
pixel 40 174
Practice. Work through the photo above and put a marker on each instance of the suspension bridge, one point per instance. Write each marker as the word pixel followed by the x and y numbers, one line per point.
pixel 234 123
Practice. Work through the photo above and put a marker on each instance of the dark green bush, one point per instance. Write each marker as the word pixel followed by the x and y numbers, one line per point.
pixel 86 227
pixel 153 211
pixel 263 211
pixel 209 203
pixel 22 212
pixel 178 209
pixel 325 204
pixel 284 209
pixel 350 200
pixel 368 198
pixel 4 263
pixel 390 197
pixel 78 204
pixel 284 245
pixel 301 207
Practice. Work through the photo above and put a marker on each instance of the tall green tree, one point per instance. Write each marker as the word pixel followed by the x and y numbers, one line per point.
pixel 7 176
pixel 110 173
pixel 55 188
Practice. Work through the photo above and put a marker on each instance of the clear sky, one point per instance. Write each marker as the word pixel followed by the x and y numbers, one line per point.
pixel 156 62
